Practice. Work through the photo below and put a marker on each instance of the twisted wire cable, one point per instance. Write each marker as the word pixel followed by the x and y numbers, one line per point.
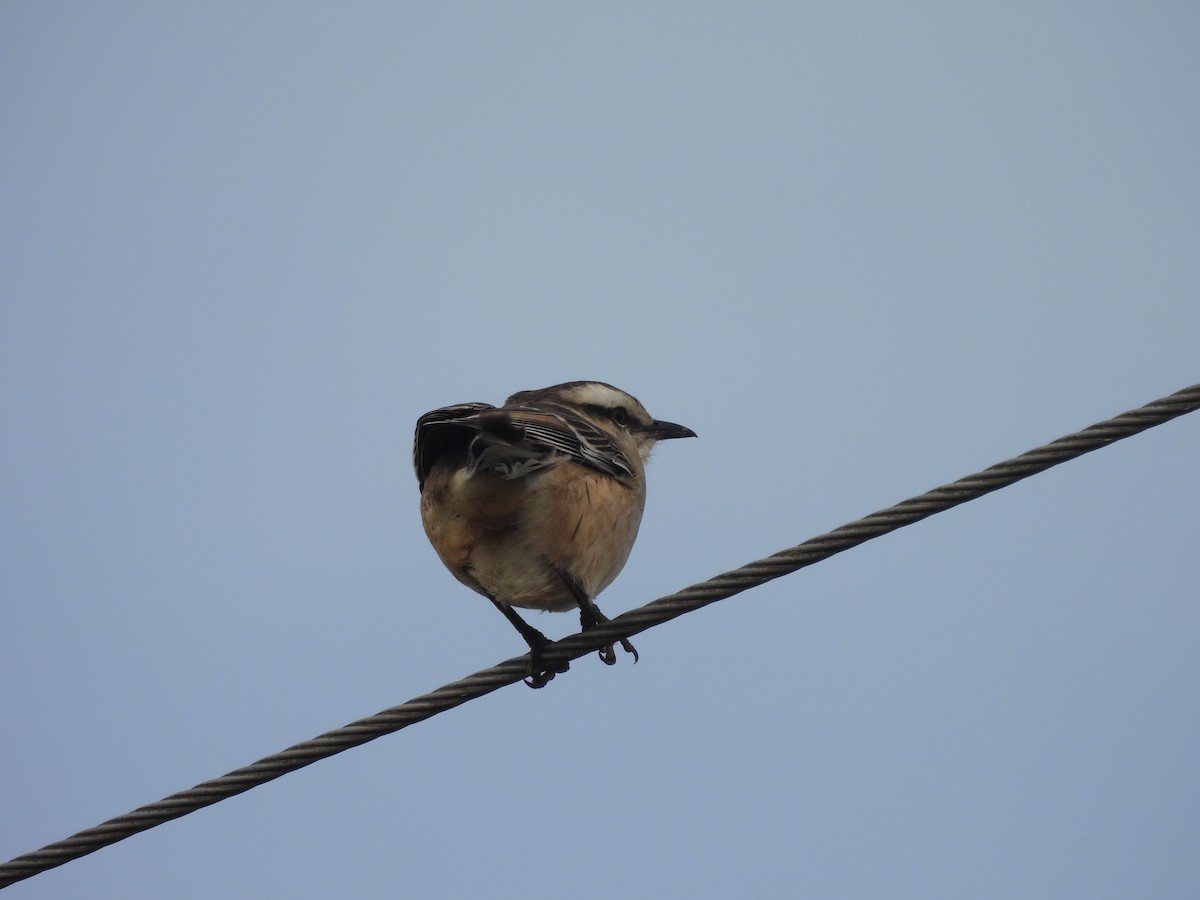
pixel 626 625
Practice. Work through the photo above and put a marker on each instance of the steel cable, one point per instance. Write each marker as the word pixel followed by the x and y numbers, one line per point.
pixel 626 625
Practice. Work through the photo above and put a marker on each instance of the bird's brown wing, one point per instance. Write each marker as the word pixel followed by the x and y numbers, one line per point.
pixel 513 442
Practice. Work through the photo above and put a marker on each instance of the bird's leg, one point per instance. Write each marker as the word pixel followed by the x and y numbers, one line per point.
pixel 589 617
pixel 539 675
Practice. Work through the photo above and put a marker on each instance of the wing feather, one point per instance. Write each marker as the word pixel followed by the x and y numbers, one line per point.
pixel 448 430
pixel 513 442
pixel 581 441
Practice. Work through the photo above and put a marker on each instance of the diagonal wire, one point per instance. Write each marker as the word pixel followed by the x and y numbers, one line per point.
pixel 633 622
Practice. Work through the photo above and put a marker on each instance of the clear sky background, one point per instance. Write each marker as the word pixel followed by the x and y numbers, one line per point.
pixel 862 249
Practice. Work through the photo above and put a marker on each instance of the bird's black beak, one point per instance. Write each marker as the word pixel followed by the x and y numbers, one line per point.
pixel 662 431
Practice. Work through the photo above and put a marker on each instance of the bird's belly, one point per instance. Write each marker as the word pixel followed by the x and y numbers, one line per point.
pixel 482 539
pixel 537 543
pixel 512 573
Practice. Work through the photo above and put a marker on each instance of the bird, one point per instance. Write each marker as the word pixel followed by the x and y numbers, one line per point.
pixel 536 504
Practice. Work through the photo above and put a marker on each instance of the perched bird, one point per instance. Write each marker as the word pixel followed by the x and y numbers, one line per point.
pixel 537 504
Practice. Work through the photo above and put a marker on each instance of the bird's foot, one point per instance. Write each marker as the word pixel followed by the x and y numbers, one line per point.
pixel 608 655
pixel 591 617
pixel 539 673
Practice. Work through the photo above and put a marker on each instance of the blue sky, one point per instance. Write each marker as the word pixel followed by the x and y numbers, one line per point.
pixel 861 249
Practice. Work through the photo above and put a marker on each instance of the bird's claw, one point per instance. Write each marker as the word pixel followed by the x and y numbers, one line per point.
pixel 539 675
pixel 591 617
pixel 608 655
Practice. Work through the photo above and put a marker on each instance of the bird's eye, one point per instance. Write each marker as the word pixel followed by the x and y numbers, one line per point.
pixel 620 415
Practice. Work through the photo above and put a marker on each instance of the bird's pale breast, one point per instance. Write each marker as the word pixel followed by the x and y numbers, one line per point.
pixel 513 539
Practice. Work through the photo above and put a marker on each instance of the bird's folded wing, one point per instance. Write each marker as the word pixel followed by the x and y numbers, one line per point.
pixel 442 431
pixel 548 438
pixel 513 442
